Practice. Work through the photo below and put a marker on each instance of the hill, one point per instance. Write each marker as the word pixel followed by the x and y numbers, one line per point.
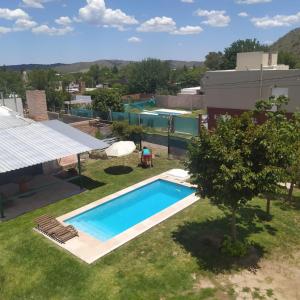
pixel 289 43
pixel 84 66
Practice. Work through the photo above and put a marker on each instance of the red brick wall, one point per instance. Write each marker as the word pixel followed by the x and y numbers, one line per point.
pixel 37 105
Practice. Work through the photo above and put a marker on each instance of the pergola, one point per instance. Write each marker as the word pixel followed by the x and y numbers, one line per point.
pixel 31 144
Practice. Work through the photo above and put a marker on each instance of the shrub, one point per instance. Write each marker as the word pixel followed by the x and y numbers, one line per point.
pixel 128 132
pixel 235 248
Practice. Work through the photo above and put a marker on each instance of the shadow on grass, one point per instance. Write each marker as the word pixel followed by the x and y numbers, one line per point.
pixel 88 183
pixel 118 170
pixel 203 241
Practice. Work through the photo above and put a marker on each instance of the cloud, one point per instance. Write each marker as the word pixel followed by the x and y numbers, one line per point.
pixel 4 30
pixel 243 14
pixel 187 30
pixel 215 18
pixel 187 1
pixel 158 24
pixel 134 39
pixel 64 21
pixel 96 12
pixel 24 24
pixel 52 31
pixel 34 3
pixel 9 14
pixel 276 21
pixel 252 1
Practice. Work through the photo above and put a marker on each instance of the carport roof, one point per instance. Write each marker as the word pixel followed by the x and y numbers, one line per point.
pixel 40 142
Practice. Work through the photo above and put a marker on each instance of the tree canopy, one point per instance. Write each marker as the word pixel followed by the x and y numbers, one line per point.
pixel 104 100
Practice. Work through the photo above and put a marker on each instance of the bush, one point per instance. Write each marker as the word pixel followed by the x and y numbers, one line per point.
pixel 235 248
pixel 128 132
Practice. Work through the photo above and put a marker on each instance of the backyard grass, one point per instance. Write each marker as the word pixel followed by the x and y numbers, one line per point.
pixel 178 259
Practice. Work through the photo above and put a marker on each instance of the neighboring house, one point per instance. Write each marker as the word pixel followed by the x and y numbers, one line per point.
pixel 257 76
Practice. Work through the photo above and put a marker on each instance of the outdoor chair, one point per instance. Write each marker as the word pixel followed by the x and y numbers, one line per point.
pixel 54 229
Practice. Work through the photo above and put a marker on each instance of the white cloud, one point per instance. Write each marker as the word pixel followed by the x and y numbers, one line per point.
pixel 134 39
pixel 187 30
pixel 24 24
pixel 64 21
pixel 4 30
pixel 34 3
pixel 276 21
pixel 243 14
pixel 187 1
pixel 215 18
pixel 45 29
pixel 158 24
pixel 252 1
pixel 9 14
pixel 96 12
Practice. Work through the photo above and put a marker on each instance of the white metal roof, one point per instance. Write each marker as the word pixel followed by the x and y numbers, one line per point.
pixel 9 118
pixel 41 142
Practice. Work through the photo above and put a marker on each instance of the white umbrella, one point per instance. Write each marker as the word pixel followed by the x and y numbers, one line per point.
pixel 119 149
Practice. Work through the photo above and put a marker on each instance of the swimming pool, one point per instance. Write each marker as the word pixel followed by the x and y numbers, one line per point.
pixel 119 214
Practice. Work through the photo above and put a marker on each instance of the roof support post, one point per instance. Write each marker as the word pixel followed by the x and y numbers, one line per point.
pixel 79 171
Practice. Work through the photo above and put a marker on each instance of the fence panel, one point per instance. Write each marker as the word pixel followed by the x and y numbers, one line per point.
pixel 153 121
pixel 186 125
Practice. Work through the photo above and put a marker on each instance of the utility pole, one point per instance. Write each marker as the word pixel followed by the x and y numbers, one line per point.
pixel 261 82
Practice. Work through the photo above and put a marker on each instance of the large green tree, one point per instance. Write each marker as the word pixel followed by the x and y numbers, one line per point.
pixel 11 82
pixel 148 76
pixel 248 45
pixel 106 99
pixel 221 164
pixel 214 60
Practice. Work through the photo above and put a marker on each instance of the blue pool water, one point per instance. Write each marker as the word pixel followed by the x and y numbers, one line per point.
pixel 111 218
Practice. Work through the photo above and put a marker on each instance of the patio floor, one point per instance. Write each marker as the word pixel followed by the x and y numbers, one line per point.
pixel 37 199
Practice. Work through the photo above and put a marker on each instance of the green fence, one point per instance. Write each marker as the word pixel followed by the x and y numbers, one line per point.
pixel 177 124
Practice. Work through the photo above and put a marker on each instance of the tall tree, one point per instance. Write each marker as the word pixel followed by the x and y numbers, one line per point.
pixel 221 166
pixel 289 59
pixel 214 60
pixel 106 99
pixel 148 76
pixel 248 45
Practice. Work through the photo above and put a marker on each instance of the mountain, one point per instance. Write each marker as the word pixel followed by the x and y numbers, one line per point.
pixel 289 43
pixel 84 66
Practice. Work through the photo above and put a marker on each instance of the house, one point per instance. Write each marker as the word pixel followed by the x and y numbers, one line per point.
pixel 257 76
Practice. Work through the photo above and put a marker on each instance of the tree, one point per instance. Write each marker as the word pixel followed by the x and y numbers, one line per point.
pixel 104 100
pixel 248 45
pixel 148 76
pixel 11 82
pixel 43 79
pixel 289 59
pixel 222 167
pixel 274 153
pixel 94 73
pixel 214 60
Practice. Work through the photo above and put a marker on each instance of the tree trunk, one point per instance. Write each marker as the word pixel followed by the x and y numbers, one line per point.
pixel 268 204
pixel 233 226
pixel 290 195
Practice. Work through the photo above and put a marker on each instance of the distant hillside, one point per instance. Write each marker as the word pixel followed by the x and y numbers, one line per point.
pixel 84 66
pixel 28 67
pixel 289 43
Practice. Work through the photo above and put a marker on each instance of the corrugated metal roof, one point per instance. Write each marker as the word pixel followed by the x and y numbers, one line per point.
pixel 9 119
pixel 41 142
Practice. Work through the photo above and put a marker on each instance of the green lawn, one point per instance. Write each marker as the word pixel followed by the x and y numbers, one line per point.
pixel 166 262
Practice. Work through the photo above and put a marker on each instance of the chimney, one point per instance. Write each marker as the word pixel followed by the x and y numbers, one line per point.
pixel 37 105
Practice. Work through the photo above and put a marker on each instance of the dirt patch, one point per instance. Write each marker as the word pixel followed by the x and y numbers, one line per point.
pixel 275 279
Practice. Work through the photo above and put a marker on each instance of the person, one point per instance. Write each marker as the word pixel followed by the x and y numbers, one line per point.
pixel 146 158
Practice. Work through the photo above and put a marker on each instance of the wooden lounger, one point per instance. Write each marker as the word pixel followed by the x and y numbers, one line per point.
pixel 54 229
pixel 69 234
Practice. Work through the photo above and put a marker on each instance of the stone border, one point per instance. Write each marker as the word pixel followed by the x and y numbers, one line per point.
pixel 90 249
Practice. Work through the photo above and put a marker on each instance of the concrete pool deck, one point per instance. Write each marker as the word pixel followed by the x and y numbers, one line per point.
pixel 90 249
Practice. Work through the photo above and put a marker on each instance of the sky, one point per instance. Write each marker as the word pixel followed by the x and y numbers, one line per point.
pixel 66 31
